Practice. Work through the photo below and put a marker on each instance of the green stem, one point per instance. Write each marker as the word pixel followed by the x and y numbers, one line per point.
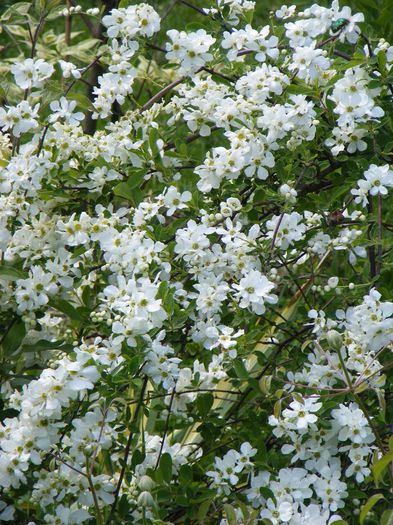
pixel 100 520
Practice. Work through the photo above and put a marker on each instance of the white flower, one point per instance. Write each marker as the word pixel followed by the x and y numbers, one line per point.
pixel 285 11
pixel 302 414
pixel 309 62
pixel 350 31
pixel 253 291
pixel 329 488
pixel 31 73
pixel 69 69
pixel 277 512
pixel 351 423
pixel 377 180
pixel 190 50
pixel 246 453
pixel 21 118
pixel 359 469
pixel 311 515
pixel 67 516
pixel 258 41
pixel 63 109
pixel 285 229
pixel 134 20
pixel 378 177
pixel 174 200
pixel 75 231
pixel 6 511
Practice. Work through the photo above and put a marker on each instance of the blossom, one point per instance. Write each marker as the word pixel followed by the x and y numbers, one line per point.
pixel 350 31
pixel 191 50
pixel 352 423
pixel 285 229
pixel 21 118
pixel 63 109
pixel 69 69
pixel 308 62
pixel 132 21
pixel 302 413
pixel 253 291
pixel 139 255
pixel 377 180
pixel 31 73
pixel 285 11
pixel 277 512
pixel 174 200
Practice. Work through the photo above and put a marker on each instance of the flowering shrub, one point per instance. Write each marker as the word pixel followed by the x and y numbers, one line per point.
pixel 196 258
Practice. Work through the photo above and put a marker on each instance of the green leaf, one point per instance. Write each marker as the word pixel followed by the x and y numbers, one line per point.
pixel 372 500
pixel 267 493
pixel 195 26
pixel 380 466
pixel 135 178
pixel 240 369
pixel 87 296
pixel 203 510
pixel 185 474
pixel 14 337
pixel 20 8
pixel 204 403
pixel 387 518
pixel 137 458
pixel 166 466
pixel 44 344
pixel 294 89
pixel 230 514
pixel 11 273
pixel 265 384
pixel 124 190
pixel 381 61
pixel 153 138
pixel 76 314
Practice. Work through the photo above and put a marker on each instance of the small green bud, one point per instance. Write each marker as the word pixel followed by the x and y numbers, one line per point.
pixel 334 340
pixel 146 483
pixel 145 499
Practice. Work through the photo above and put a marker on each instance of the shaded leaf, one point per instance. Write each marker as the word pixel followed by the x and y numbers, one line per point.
pixel 372 500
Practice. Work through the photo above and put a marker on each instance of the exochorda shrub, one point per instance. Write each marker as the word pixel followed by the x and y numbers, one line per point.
pixel 195 265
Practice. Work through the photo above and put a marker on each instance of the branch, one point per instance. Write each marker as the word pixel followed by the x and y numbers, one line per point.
pixel 127 450
pixel 166 427
pixel 161 94
pixel 198 9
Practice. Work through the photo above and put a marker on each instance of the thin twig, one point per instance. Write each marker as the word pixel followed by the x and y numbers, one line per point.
pixel 158 96
pixel 194 7
pixel 166 428
pixel 380 229
pixel 127 450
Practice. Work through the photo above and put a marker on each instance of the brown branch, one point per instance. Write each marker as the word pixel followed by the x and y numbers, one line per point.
pixel 198 9
pixel 341 54
pixel 158 96
pixel 67 31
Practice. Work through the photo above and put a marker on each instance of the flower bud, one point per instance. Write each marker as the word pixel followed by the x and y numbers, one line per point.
pixel 146 483
pixel 145 499
pixel 334 339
